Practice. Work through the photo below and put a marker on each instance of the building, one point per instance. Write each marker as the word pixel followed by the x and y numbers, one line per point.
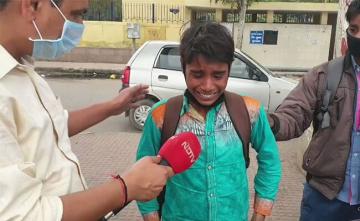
pixel 280 35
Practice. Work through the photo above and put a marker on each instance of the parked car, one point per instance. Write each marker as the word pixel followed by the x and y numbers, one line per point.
pixel 157 64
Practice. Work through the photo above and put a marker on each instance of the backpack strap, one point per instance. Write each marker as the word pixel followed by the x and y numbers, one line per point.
pixel 334 74
pixel 239 116
pixel 170 122
pixel 171 117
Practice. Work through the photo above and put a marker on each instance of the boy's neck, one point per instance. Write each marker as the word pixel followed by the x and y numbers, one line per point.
pixel 201 109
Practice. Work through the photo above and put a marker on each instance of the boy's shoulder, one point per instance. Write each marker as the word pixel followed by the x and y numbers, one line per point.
pixel 253 106
pixel 158 112
pixel 251 103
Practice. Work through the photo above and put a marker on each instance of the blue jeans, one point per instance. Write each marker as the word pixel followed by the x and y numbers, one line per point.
pixel 316 207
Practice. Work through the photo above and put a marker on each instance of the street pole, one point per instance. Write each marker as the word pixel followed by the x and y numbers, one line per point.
pixel 133 46
pixel 341 26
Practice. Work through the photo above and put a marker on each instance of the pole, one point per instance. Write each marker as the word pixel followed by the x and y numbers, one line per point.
pixel 133 48
pixel 341 26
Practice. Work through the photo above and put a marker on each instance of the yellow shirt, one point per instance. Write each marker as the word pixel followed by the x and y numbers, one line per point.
pixel 36 162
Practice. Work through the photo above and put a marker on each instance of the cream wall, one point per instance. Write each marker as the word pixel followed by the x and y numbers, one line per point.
pixel 114 34
pixel 298 46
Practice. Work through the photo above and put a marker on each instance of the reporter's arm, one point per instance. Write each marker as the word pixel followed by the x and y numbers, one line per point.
pixel 143 182
pixel 82 119
pixel 93 203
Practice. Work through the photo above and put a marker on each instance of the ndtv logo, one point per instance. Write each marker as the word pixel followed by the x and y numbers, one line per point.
pixel 188 151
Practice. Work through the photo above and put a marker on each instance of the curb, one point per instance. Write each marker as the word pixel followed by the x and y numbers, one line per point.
pixel 79 73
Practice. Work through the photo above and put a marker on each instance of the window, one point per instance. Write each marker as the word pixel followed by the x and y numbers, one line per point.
pixel 230 16
pixel 169 58
pixel 270 37
pixel 251 17
pixel 256 17
pixel 297 17
pixel 204 16
pixel 239 69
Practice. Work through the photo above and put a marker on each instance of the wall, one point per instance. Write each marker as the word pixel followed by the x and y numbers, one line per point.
pixel 298 46
pixel 114 34
pixel 107 42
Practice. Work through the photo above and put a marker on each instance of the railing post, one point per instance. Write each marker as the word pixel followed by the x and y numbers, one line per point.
pixel 153 12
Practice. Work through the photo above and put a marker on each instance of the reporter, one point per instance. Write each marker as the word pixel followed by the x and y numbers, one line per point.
pixel 40 175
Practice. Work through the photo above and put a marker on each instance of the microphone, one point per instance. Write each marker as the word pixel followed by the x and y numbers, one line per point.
pixel 180 151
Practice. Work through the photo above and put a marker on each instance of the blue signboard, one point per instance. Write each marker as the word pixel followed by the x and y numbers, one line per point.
pixel 256 37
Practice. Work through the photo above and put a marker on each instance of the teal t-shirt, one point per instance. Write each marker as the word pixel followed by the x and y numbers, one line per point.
pixel 216 186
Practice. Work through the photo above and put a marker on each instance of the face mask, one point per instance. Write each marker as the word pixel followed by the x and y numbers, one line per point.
pixel 353 44
pixel 51 49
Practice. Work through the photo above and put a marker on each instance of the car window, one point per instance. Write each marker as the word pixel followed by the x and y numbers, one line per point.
pixel 239 69
pixel 169 58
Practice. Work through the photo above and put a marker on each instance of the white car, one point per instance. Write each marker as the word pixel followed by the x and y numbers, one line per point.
pixel 157 64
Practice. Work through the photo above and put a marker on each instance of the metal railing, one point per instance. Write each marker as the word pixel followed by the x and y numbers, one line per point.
pixel 154 12
pixel 104 10
pixel 309 1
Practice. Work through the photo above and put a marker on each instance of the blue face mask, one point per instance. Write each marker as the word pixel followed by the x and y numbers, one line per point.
pixel 51 49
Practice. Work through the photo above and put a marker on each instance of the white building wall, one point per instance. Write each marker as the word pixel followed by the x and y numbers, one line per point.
pixel 298 46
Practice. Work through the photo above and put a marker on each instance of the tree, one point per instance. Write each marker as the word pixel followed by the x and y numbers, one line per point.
pixel 239 7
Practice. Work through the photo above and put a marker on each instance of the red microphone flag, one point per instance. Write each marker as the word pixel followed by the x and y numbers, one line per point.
pixel 181 151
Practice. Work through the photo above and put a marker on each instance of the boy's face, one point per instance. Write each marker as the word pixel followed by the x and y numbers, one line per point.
pixel 206 80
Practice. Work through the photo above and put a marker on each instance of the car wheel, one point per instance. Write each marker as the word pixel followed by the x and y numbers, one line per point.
pixel 139 114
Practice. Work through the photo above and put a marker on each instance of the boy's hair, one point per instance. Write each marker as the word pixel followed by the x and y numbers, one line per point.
pixel 353 10
pixel 211 40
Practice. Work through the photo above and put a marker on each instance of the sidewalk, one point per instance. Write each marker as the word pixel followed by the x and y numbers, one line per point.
pixel 56 69
pixel 102 154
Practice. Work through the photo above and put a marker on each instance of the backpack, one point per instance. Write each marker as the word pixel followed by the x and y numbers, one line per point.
pixel 335 71
pixel 239 116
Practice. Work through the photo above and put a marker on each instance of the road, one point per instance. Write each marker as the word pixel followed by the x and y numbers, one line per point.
pixel 76 94
pixel 110 148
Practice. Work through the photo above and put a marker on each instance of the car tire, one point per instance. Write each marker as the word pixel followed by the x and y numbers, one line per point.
pixel 139 114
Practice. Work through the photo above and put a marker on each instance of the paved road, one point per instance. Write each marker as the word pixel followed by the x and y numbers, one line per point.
pixel 76 94
pixel 110 148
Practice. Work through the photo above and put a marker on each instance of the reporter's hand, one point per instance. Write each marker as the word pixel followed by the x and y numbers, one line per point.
pixel 257 217
pixel 146 179
pixel 127 99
